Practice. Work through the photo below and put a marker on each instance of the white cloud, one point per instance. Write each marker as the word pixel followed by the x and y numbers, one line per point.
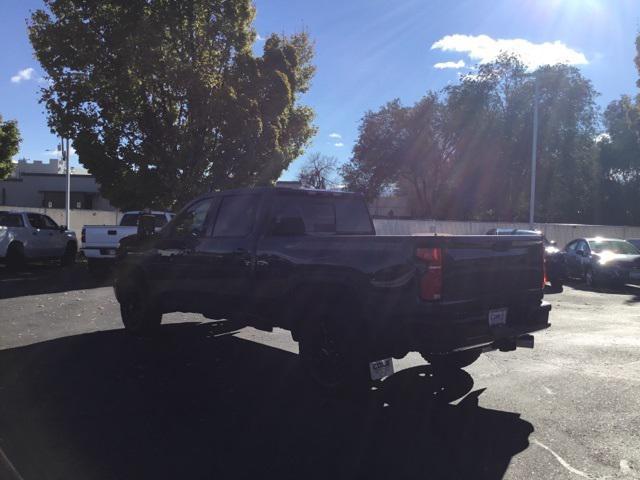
pixel 335 135
pixel 58 153
pixel 443 65
pixel 25 74
pixel 484 49
pixel 338 144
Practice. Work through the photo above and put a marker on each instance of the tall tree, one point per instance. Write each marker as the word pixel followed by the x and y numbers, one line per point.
pixel 318 171
pixel 406 148
pixel 619 162
pixel 9 143
pixel 466 154
pixel 164 99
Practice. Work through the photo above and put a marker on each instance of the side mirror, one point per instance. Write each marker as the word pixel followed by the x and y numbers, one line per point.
pixel 146 226
pixel 553 243
pixel 288 227
pixel 581 253
pixel 62 228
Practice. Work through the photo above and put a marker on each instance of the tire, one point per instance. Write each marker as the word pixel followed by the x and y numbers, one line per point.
pixel 443 362
pixel 15 257
pixel 139 316
pixel 332 356
pixel 556 285
pixel 68 259
pixel 590 278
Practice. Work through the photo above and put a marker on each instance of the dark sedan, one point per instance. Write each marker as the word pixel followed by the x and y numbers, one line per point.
pixel 602 261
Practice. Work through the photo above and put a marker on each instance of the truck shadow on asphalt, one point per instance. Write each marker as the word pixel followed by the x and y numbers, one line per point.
pixel 44 278
pixel 194 404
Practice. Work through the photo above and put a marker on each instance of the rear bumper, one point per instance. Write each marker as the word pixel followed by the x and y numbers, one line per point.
pixel 100 253
pixel 444 335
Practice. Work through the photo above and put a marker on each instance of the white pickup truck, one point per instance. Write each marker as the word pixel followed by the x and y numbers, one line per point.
pixel 100 242
pixel 29 236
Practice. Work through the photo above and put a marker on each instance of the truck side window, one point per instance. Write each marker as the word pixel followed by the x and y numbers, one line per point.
pixel 10 220
pixel 36 220
pixel 236 216
pixel 49 223
pixel 191 222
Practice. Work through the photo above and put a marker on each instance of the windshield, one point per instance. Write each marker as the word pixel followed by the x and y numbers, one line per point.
pixel 613 246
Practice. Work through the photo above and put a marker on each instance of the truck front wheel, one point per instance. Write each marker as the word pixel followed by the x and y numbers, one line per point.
pixel 451 361
pixel 139 315
pixel 69 257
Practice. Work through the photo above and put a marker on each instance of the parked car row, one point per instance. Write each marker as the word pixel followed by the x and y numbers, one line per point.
pixel 596 261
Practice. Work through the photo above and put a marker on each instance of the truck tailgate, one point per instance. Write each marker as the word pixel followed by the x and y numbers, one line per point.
pixel 106 236
pixel 488 266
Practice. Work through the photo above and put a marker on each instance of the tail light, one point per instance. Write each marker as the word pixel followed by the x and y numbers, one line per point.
pixel 544 271
pixel 83 235
pixel 431 280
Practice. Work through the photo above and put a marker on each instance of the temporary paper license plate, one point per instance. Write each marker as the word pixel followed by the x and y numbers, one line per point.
pixel 497 317
pixel 381 368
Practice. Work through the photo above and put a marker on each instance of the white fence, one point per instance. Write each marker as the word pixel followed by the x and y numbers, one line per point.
pixel 79 218
pixel 561 233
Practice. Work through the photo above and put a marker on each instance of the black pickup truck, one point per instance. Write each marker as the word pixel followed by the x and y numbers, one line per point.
pixel 310 261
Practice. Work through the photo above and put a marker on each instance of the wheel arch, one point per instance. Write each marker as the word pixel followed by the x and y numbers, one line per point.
pixel 343 298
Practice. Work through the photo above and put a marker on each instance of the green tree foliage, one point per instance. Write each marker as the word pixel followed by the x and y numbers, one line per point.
pixel 319 172
pixel 619 159
pixel 404 147
pixel 466 154
pixel 9 143
pixel 164 99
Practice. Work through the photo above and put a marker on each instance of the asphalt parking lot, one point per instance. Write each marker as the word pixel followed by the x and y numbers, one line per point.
pixel 80 399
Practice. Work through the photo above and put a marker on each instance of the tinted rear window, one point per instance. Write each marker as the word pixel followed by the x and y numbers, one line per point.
pixel 131 220
pixel 10 220
pixel 326 214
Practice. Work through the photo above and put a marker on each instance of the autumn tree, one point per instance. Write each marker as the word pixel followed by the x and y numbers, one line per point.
pixel 466 153
pixel 164 99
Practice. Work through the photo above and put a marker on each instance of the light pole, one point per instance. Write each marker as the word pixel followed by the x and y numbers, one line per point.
pixel 534 153
pixel 65 157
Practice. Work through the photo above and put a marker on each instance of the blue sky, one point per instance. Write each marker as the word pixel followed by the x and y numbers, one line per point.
pixel 370 51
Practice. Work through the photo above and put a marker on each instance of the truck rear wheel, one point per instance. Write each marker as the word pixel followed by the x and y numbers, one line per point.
pixel 451 361
pixel 333 361
pixel 139 316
